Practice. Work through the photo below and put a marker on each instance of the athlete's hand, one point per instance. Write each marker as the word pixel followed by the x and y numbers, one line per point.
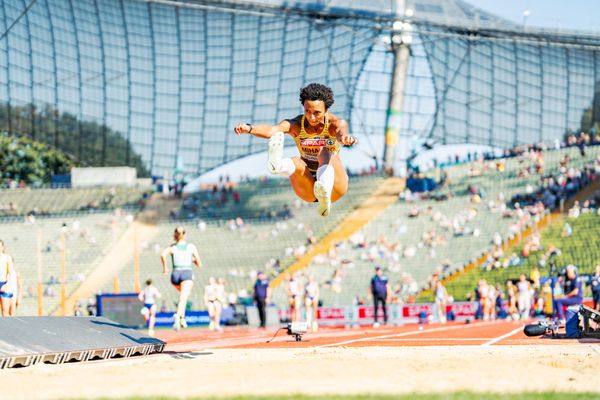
pixel 348 140
pixel 165 271
pixel 242 128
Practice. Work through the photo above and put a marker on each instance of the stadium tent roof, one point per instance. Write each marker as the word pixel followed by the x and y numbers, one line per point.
pixel 443 13
pixel 173 76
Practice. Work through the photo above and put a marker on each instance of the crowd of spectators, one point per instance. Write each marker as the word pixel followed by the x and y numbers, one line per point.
pixel 219 200
pixel 532 296
pixel 40 205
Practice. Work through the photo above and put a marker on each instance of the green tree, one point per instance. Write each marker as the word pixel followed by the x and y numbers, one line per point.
pixel 87 142
pixel 30 161
pixel 591 115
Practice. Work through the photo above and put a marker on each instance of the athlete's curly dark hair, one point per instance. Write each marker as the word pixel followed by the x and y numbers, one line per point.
pixel 316 91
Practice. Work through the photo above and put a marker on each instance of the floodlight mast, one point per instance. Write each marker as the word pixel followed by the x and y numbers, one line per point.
pixel 401 39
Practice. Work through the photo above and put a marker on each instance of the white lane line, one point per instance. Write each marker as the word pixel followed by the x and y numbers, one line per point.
pixel 437 339
pixel 410 333
pixel 499 338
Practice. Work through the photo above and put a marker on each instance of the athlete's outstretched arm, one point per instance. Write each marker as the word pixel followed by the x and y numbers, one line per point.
pixel 262 131
pixel 340 127
pixel 163 259
pixel 196 257
pixel 10 270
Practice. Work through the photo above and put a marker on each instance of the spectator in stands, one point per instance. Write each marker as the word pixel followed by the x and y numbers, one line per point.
pixel 336 280
pixel 294 291
pixel 214 303
pixel 183 256
pixel 573 293
pixel 489 313
pixel 441 300
pixel 262 295
pixel 546 295
pixel 524 297
pixel 575 211
pixel 359 300
pixel 379 290
pixel 311 300
pixel 499 310
pixel 534 276
pixel 567 230
pixel 481 297
pixel 511 293
pixel 6 275
pixel 557 290
pixel 148 296
pixel 595 283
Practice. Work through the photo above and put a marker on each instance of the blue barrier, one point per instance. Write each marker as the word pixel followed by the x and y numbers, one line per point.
pixel 193 318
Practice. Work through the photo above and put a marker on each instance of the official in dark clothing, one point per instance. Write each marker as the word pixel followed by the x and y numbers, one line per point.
pixel 573 292
pixel 379 290
pixel 262 294
pixel 595 283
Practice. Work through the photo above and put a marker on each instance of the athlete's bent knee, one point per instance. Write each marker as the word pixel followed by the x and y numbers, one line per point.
pixel 324 156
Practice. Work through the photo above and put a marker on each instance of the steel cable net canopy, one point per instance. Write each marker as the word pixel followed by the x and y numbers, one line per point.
pixel 171 78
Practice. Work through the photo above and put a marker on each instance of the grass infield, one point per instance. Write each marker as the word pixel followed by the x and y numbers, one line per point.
pixel 433 396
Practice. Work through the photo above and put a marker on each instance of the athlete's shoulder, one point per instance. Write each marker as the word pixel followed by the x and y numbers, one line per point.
pixel 295 124
pixel 295 120
pixel 336 123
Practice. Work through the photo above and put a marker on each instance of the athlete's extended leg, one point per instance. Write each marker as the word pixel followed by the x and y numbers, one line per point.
pixel 276 164
pixel 332 180
pixel 340 184
pixel 152 320
pixel 12 309
pixel 186 289
pixel 217 316
pixel 5 304
pixel 211 315
pixel 315 306
pixel 298 308
pixel 309 314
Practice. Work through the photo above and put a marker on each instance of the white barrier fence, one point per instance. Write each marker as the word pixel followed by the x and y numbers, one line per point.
pixel 398 314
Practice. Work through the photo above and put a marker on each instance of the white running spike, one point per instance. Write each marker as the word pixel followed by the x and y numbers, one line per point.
pixel 275 152
pixel 324 198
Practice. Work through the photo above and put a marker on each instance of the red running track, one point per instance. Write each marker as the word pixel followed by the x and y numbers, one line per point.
pixel 492 333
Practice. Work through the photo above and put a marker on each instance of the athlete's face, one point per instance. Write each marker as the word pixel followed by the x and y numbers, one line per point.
pixel 314 111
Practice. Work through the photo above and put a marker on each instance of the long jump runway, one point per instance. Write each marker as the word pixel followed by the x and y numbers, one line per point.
pixel 492 333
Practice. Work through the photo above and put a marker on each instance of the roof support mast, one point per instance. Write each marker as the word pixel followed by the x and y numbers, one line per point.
pixel 401 40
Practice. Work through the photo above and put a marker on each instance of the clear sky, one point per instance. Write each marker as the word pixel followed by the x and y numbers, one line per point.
pixel 565 14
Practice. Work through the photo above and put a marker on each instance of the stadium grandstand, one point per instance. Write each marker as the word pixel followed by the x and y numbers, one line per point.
pixel 157 85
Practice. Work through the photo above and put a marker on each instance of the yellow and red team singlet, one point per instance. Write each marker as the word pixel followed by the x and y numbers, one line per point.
pixel 309 145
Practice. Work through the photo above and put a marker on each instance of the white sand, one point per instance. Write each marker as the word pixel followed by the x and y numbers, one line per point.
pixel 316 371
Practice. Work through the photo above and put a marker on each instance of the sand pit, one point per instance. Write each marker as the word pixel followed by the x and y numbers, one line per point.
pixel 339 370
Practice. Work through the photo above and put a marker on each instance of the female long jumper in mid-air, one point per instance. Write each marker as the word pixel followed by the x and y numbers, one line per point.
pixel 318 173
